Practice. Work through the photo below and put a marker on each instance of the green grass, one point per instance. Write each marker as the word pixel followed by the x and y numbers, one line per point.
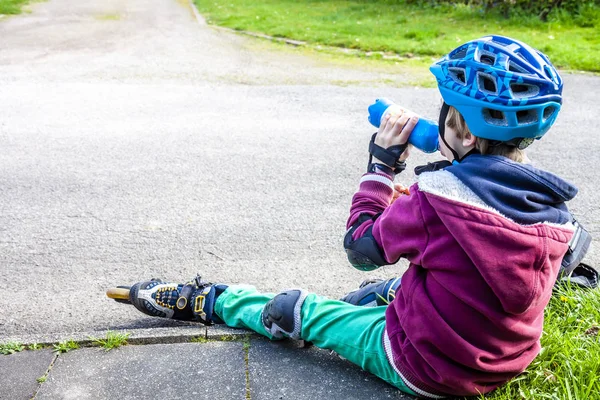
pixel 11 348
pixel 392 27
pixel 108 17
pixel 12 6
pixel 199 339
pixel 222 338
pixel 232 338
pixel 568 366
pixel 112 340
pixel 65 346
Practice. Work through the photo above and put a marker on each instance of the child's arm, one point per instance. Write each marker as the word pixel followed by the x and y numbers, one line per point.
pixel 375 194
pixel 379 234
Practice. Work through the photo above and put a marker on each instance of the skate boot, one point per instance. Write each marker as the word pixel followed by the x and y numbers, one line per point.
pixel 191 301
pixel 373 293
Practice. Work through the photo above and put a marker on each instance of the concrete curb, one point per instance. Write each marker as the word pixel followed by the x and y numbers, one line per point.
pixel 292 42
pixel 136 336
pixel 199 17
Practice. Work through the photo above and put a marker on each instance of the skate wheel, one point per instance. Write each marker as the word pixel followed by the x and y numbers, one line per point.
pixel 118 293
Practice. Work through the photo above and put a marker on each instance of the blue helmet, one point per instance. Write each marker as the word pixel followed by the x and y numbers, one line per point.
pixel 503 88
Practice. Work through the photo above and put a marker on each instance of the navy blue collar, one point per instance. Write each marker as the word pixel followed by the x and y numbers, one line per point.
pixel 519 191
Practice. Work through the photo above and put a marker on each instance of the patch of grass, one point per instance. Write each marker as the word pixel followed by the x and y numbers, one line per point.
pixel 392 26
pixel 222 338
pixel 11 6
pixel 246 345
pixel 231 338
pixel 199 339
pixel 35 346
pixel 42 379
pixel 11 348
pixel 108 17
pixel 112 340
pixel 569 364
pixel 65 346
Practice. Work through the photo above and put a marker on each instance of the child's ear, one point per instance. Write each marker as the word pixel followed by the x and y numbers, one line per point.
pixel 469 140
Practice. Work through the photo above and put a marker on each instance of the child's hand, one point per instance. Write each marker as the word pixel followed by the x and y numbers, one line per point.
pixel 398 191
pixel 396 127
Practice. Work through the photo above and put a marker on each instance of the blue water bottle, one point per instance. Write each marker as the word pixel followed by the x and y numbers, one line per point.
pixel 425 134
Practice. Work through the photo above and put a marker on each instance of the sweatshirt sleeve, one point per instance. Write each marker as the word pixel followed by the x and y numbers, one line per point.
pixel 399 230
pixel 374 195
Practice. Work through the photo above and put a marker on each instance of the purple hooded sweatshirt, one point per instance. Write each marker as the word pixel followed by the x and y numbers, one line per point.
pixel 485 239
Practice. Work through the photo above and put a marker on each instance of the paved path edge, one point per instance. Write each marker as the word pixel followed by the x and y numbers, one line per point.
pixel 161 335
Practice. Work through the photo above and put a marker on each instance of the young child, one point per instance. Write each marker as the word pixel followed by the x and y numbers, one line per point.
pixel 485 236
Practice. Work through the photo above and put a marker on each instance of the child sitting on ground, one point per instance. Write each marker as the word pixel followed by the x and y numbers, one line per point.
pixel 484 235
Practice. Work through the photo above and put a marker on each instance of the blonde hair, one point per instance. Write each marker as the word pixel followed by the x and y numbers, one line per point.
pixel 455 121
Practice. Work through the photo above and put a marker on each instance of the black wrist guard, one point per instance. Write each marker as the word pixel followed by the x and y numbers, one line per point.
pixel 378 168
pixel 389 156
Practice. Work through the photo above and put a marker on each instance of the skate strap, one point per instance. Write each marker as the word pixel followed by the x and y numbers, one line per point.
pixel 389 156
pixel 578 248
pixel 203 299
pixel 583 276
pixel 572 269
pixel 184 295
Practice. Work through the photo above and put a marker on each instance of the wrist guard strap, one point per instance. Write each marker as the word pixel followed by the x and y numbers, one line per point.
pixel 379 168
pixel 389 156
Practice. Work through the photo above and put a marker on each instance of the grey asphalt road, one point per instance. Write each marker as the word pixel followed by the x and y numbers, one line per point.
pixel 137 142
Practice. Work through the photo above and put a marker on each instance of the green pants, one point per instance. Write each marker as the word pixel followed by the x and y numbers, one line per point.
pixel 353 332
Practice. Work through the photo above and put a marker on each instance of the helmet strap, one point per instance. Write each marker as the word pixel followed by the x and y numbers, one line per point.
pixel 442 129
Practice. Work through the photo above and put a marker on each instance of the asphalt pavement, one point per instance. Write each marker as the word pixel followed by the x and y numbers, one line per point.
pixel 139 142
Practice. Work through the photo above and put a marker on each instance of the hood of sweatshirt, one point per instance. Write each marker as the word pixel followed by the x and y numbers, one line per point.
pixel 508 219
pixel 518 191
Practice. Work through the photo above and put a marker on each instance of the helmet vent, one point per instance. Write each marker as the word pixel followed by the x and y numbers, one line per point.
pixel 494 117
pixel 549 112
pixel 513 67
pixel 526 117
pixel 459 55
pixel 487 59
pixel 523 91
pixel 519 52
pixel 458 74
pixel 487 83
